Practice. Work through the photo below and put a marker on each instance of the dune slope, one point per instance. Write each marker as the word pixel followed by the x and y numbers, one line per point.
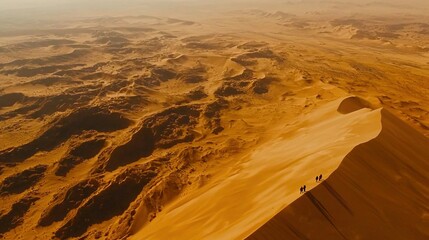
pixel 268 179
pixel 379 191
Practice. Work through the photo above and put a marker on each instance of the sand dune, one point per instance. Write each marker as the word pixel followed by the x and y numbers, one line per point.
pixel 269 178
pixel 381 184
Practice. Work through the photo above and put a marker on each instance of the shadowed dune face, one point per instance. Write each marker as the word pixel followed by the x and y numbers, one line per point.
pixel 15 216
pixel 74 124
pixel 113 200
pixel 142 144
pixel 201 119
pixel 22 181
pixel 79 154
pixel 352 104
pixel 67 201
pixel 10 99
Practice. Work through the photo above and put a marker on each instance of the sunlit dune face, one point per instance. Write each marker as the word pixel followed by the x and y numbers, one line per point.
pixel 204 119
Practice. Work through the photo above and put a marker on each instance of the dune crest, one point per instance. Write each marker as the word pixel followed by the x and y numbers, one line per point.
pixel 381 184
pixel 352 104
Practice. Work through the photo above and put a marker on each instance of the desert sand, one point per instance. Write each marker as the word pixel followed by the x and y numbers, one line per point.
pixel 202 120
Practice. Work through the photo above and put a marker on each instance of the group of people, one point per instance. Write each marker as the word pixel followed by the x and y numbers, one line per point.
pixel 303 189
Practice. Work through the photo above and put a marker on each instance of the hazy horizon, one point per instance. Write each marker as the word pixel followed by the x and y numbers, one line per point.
pixel 115 6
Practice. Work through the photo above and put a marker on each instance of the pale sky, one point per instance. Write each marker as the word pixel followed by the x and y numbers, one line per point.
pixel 25 4
pixel 21 11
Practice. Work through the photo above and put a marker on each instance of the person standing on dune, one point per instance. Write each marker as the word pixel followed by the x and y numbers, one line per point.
pixel 317 178
pixel 304 188
pixel 300 190
pixel 320 177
